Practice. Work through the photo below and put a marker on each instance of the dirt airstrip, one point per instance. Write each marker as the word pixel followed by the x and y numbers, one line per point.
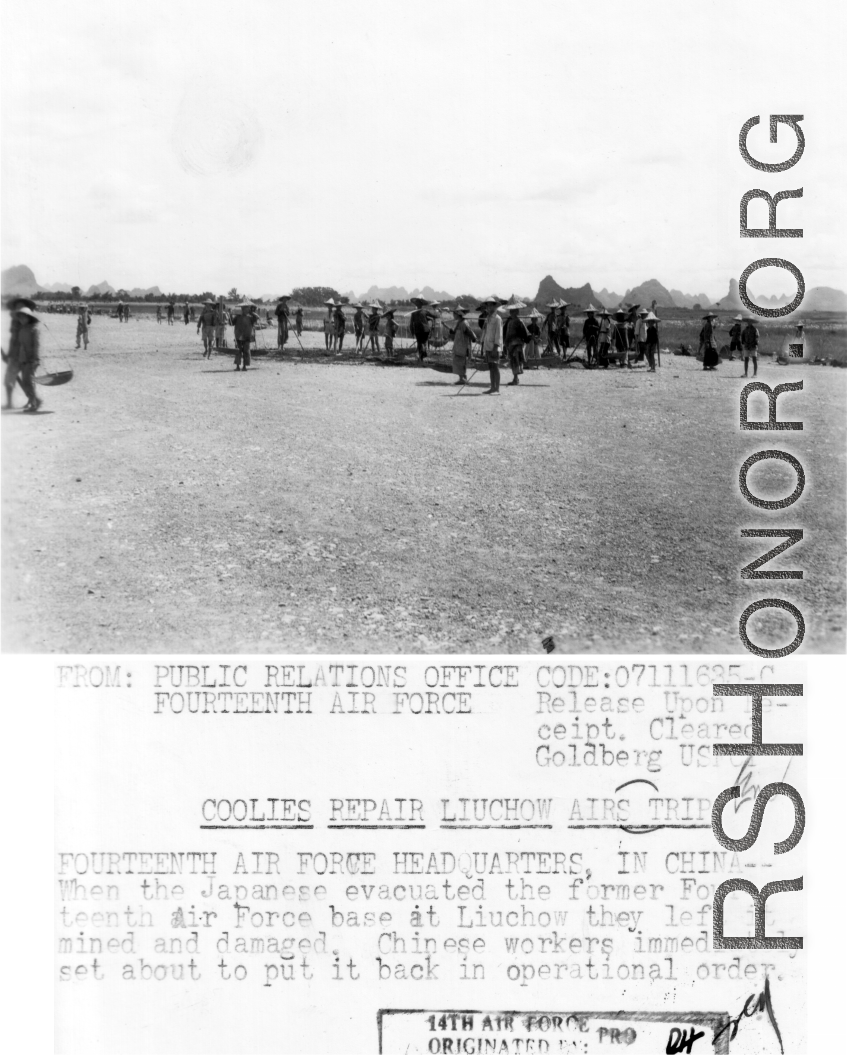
pixel 163 502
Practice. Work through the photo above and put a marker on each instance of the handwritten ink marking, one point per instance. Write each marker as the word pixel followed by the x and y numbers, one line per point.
pixel 679 1040
pixel 753 1005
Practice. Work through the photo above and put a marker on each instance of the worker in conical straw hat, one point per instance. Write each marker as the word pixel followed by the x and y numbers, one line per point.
pixel 620 341
pixel 391 329
pixel 282 317
pixel 563 327
pixel 641 333
pixel 206 323
pixel 82 320
pixel 436 333
pixel 329 325
pixel 23 356
pixel 340 323
pixel 373 325
pixel 735 336
pixel 604 337
pixel 652 339
pixel 709 343
pixel 491 339
pixel 750 344
pixel 420 325
pixel 632 324
pixel 550 324
pixel 244 325
pixel 220 323
pixel 590 332
pixel 515 336
pixel 358 324
pixel 533 326
pixel 463 339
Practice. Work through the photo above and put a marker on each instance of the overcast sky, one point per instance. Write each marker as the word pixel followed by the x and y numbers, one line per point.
pixel 471 146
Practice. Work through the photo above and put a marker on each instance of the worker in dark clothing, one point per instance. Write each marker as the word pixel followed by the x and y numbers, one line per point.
pixel 391 329
pixel 206 322
pixel 171 310
pixel 420 325
pixel 244 326
pixel 23 356
pixel 735 336
pixel 515 336
pixel 298 320
pixel 373 327
pixel 590 333
pixel 563 327
pixel 358 326
pixel 750 345
pixel 652 344
pixel 620 340
pixel 604 339
pixel 551 325
pixel 282 321
pixel 339 320
pixel 708 342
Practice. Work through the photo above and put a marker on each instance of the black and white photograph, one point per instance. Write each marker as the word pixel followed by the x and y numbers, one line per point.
pixel 423 575
pixel 418 328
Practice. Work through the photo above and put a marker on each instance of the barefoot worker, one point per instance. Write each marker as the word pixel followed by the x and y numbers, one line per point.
pixel 339 320
pixel 206 323
pixel 620 342
pixel 373 327
pixel 391 329
pixel 281 313
pixel 603 338
pixel 735 344
pixel 83 320
pixel 631 324
pixel 750 345
pixel 23 358
pixel 709 343
pixel 298 320
pixel 590 332
pixel 491 339
pixel 420 325
pixel 515 336
pixel 171 310
pixel 563 327
pixel 641 333
pixel 551 324
pixel 220 323
pixel 244 325
pixel 533 346
pixel 462 344
pixel 329 325
pixel 652 340
pixel 358 325
pixel 158 313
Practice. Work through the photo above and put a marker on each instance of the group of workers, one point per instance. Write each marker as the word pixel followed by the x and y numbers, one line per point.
pixel 630 332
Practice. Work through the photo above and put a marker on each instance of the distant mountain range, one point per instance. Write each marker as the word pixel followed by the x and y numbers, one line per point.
pixel 384 293
pixel 20 280
pixel 652 290
pixel 818 298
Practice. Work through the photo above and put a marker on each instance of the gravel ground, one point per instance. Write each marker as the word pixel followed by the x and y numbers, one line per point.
pixel 162 502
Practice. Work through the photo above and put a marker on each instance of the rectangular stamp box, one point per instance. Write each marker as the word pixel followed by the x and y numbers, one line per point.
pixel 442 1032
